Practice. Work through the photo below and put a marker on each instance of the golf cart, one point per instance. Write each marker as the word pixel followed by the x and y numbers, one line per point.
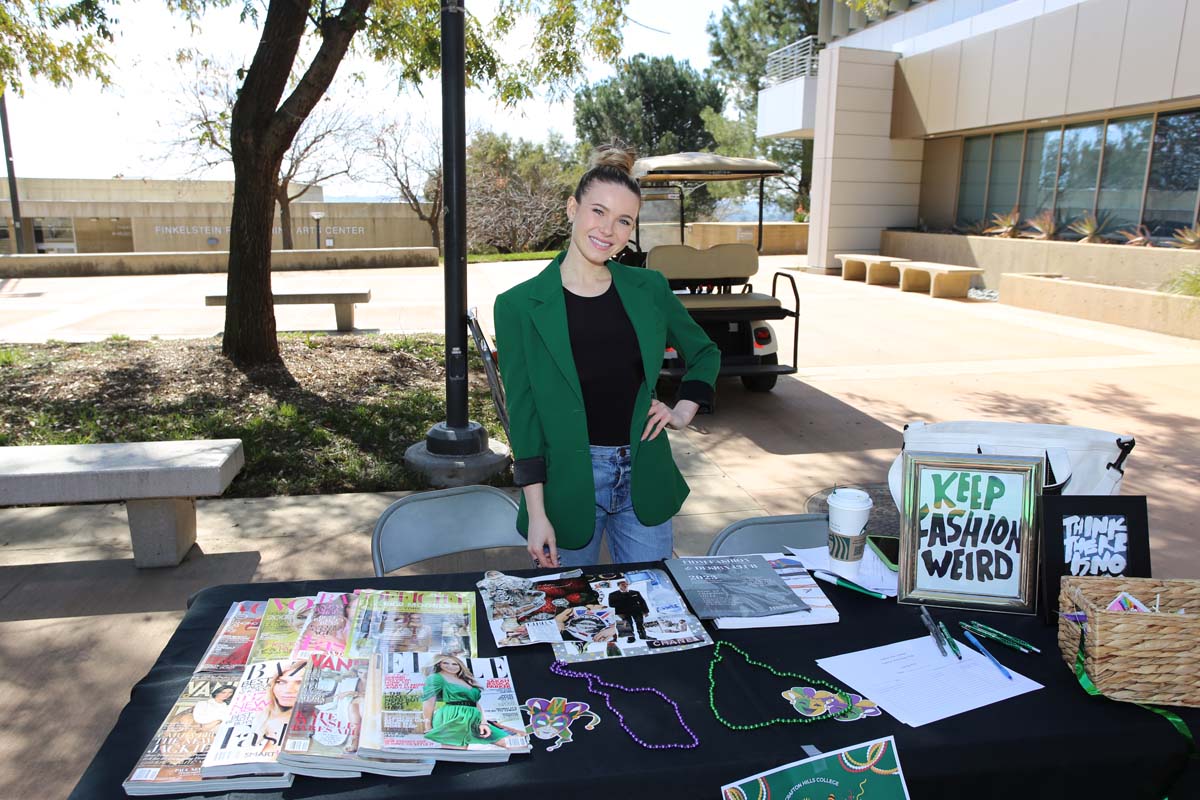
pixel 737 321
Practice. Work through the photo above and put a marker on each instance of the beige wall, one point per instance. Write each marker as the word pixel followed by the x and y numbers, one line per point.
pixel 1088 58
pixel 1119 265
pixel 130 190
pixel 1173 314
pixel 86 264
pixel 864 180
pixel 939 181
pixel 189 226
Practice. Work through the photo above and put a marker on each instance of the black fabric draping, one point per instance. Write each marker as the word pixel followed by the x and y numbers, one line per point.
pixel 1057 742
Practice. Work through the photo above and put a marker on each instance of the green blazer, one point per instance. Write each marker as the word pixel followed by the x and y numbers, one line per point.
pixel 545 403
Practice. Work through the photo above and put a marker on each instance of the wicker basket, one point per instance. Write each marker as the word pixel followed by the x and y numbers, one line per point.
pixel 1137 657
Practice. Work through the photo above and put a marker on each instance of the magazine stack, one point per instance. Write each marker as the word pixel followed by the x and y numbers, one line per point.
pixel 333 686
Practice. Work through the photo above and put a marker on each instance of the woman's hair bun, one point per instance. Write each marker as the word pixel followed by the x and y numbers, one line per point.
pixel 616 155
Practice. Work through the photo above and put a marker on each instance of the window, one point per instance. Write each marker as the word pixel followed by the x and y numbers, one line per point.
pixel 1126 148
pixel 54 234
pixel 1040 170
pixel 1078 171
pixel 1006 168
pixel 973 184
pixel 1174 173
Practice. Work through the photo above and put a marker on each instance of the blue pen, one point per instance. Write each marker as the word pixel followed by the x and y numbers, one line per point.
pixel 979 646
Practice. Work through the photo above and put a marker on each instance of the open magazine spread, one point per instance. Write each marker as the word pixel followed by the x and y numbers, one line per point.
pixel 399 621
pixel 441 706
pixel 171 762
pixel 593 616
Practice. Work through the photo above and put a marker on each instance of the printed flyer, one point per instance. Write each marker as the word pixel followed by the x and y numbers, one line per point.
pixel 868 771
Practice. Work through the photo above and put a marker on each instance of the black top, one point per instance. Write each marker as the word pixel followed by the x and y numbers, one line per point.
pixel 608 361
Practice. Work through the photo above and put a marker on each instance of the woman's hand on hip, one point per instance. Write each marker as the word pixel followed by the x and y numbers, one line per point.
pixel 661 416
pixel 541 542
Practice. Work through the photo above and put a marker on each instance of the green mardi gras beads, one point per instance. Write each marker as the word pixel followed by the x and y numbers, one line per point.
pixel 712 686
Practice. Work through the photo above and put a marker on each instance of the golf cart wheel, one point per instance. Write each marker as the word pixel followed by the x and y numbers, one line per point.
pixel 762 383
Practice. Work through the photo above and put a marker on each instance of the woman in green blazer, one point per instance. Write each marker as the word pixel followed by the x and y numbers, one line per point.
pixel 581 344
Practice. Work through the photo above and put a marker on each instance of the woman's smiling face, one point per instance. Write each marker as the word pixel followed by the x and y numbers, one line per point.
pixel 603 221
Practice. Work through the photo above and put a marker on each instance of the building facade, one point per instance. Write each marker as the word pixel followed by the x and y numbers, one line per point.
pixel 145 216
pixel 945 113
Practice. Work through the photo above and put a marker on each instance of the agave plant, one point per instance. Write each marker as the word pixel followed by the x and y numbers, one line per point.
pixel 1090 228
pixel 1137 237
pixel 974 228
pixel 1007 225
pixel 1187 238
pixel 1043 225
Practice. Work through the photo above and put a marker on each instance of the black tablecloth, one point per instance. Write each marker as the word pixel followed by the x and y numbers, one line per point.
pixel 1057 742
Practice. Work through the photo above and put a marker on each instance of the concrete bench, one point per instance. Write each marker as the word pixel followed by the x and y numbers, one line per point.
pixel 940 280
pixel 159 482
pixel 857 267
pixel 343 301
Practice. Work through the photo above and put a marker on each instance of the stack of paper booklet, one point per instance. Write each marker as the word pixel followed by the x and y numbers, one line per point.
pixel 332 686
pixel 764 590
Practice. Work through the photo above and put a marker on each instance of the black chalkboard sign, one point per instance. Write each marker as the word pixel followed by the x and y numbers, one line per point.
pixel 1102 535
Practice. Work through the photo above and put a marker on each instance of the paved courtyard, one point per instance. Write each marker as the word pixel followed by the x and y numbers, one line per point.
pixel 78 622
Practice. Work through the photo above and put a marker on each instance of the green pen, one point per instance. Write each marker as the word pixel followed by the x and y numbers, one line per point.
pixel 837 580
pixel 1004 640
pixel 1021 642
pixel 949 639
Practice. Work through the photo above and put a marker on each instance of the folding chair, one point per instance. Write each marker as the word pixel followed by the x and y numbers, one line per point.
pixel 771 534
pixel 441 522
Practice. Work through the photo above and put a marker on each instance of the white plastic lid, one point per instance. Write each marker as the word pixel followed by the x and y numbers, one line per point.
pixel 850 499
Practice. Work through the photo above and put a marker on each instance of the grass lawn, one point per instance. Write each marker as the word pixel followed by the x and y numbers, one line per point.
pixel 476 258
pixel 336 418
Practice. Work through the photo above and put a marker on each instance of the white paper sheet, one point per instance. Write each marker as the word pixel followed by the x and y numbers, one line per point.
pixel 914 683
pixel 873 574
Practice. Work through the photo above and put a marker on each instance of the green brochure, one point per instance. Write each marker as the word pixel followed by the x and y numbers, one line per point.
pixel 868 771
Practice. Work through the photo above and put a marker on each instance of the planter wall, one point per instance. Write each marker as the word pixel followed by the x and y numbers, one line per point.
pixel 88 264
pixel 1160 312
pixel 779 238
pixel 1118 265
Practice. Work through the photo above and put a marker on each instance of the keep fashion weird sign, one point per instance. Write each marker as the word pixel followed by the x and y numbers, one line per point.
pixel 969 532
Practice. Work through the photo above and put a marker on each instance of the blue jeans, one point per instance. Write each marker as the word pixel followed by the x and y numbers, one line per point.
pixel 628 539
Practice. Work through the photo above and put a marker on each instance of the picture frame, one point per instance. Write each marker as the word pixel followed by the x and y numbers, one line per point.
pixel 969 530
pixel 1091 535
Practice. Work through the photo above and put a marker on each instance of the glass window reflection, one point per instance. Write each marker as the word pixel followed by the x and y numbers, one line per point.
pixel 1174 174
pixel 973 183
pixel 1006 168
pixel 1078 171
pixel 1040 171
pixel 1126 148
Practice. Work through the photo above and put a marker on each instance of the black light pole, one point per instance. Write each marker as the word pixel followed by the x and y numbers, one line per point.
pixel 12 175
pixel 457 436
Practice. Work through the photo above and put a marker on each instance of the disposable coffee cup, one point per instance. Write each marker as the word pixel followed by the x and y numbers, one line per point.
pixel 849 510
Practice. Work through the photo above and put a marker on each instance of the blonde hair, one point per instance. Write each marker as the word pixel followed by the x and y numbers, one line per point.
pixel 464 674
pixel 610 163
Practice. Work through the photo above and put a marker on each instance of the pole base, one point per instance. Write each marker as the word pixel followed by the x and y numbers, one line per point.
pixel 442 440
pixel 444 471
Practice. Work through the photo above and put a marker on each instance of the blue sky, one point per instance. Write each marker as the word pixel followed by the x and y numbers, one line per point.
pixel 86 132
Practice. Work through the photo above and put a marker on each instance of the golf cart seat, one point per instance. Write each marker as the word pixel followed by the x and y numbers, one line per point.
pixel 709 275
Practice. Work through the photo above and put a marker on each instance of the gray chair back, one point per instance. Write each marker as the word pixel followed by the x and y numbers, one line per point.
pixel 440 522
pixel 771 534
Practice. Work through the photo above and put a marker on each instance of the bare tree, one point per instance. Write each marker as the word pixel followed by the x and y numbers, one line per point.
pixel 323 148
pixel 407 157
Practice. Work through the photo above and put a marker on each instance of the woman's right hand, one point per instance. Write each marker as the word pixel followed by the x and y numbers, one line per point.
pixel 541 542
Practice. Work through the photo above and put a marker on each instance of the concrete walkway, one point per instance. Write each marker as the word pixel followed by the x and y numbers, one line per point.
pixel 77 620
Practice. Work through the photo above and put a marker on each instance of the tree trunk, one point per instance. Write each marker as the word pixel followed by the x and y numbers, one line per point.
pixel 261 130
pixel 285 215
pixel 250 313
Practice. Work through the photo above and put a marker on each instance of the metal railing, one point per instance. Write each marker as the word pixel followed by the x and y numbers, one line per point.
pixel 796 60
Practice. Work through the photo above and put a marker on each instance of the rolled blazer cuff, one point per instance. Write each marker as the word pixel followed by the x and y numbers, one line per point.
pixel 698 392
pixel 529 470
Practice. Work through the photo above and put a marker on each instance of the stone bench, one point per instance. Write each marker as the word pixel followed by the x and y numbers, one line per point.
pixel 858 267
pixel 343 301
pixel 159 482
pixel 940 280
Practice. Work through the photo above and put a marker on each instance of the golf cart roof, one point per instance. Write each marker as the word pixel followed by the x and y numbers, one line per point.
pixel 702 167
